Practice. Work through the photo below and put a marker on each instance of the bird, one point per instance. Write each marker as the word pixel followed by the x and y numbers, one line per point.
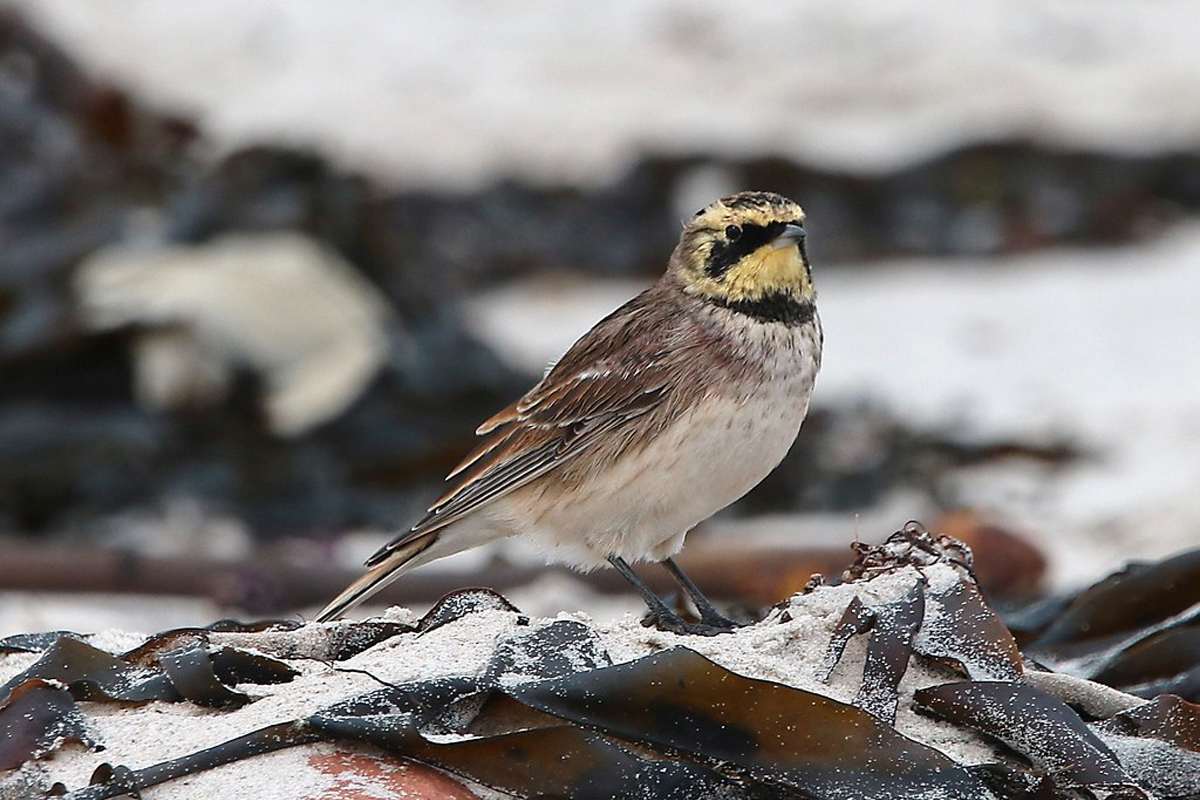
pixel 668 410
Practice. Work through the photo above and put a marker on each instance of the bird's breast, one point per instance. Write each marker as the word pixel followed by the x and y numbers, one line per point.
pixel 736 432
pixel 736 428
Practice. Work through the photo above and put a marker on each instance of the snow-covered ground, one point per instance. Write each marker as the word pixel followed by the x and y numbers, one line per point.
pixel 1101 346
pixel 463 91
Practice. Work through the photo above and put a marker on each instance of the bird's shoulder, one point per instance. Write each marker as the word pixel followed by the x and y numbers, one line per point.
pixel 625 355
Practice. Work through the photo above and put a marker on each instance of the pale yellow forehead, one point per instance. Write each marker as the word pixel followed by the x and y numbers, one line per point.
pixel 748 208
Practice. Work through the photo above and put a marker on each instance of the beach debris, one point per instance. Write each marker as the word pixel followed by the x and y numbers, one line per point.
pixel 190 672
pixel 1037 725
pixel 1137 630
pixel 920 691
pixel 37 716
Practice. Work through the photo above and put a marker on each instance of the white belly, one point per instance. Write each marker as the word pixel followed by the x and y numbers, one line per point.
pixel 642 506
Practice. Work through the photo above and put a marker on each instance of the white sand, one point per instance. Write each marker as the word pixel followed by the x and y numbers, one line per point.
pixel 460 91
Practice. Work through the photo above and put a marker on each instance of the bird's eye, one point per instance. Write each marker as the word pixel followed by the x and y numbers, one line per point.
pixel 733 233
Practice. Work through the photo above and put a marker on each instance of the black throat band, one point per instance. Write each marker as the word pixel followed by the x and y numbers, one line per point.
pixel 779 307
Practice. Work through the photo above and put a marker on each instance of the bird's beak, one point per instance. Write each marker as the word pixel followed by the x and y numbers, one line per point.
pixel 792 234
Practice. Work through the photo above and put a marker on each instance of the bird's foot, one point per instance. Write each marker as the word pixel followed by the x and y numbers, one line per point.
pixel 673 623
pixel 714 619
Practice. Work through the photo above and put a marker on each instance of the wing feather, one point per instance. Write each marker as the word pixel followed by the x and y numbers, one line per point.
pixel 608 378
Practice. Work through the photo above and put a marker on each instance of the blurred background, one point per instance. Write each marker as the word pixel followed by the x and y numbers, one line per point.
pixel 265 265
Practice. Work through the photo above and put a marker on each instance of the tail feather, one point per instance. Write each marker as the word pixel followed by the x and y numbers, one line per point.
pixel 376 578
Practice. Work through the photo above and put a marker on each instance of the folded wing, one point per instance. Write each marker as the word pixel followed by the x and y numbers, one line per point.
pixel 615 374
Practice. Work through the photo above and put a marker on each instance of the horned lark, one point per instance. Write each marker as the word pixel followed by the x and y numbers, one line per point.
pixel 668 410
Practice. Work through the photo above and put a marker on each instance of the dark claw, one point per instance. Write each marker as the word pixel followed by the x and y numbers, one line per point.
pixel 714 619
pixel 673 623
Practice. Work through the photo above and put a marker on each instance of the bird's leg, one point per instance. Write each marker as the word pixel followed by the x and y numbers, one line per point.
pixel 660 616
pixel 708 612
pixel 657 607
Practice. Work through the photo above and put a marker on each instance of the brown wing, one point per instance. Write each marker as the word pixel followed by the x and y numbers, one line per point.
pixel 618 371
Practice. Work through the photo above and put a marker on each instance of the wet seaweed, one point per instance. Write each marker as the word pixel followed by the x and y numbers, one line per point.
pixel 189 672
pixel 1159 743
pixel 456 605
pixel 1137 630
pixel 122 780
pixel 560 648
pixel 565 761
pixel 856 619
pixel 951 624
pixel 1011 782
pixel 38 642
pixel 32 642
pixel 888 652
pixel 1171 719
pixel 677 704
pixel 232 666
pixel 680 702
pixel 36 717
pixel 347 641
pixel 93 674
pixel 1167 662
pixel 959 626
pixel 1132 600
pixel 553 761
pixel 1037 725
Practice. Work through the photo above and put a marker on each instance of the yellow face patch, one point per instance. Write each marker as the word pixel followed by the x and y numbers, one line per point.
pixel 768 270
pixel 705 258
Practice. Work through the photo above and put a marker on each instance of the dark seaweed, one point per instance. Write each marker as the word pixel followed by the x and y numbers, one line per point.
pixel 35 718
pixel 189 672
pixel 1037 725
pixel 679 701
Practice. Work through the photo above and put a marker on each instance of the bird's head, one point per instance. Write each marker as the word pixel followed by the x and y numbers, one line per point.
pixel 745 248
